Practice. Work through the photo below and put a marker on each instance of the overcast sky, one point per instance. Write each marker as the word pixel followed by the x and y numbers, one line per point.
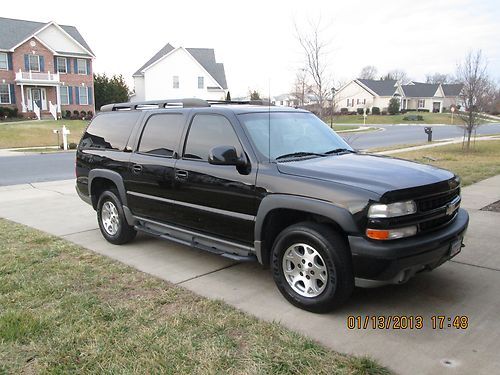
pixel 256 39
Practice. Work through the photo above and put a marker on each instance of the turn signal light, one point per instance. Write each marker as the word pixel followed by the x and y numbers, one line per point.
pixel 377 234
pixel 391 234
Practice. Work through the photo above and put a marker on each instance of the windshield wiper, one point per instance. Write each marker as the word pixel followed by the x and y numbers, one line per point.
pixel 339 150
pixel 298 154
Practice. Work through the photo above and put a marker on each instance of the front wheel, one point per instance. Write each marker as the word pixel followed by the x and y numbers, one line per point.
pixel 312 267
pixel 111 218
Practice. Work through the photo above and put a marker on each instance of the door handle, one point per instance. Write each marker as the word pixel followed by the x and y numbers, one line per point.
pixel 181 174
pixel 137 168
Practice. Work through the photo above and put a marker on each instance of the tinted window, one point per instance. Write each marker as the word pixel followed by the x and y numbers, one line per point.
pixel 109 131
pixel 290 132
pixel 161 134
pixel 208 131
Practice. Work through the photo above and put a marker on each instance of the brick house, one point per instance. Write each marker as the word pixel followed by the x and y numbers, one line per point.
pixel 45 69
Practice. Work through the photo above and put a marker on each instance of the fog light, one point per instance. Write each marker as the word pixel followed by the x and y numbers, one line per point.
pixel 391 234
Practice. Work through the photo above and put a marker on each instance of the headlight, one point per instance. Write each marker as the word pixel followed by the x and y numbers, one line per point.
pixel 378 210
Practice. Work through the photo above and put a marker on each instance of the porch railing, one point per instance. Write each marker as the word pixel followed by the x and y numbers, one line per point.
pixel 53 110
pixel 35 76
pixel 36 109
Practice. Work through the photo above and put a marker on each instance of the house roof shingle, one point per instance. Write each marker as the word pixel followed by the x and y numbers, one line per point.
pixel 380 87
pixel 420 90
pixel 205 56
pixel 452 89
pixel 14 31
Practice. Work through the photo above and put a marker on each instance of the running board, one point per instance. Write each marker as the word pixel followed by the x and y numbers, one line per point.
pixel 227 249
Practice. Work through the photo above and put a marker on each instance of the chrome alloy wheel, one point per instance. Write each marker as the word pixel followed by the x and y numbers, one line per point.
pixel 109 218
pixel 305 270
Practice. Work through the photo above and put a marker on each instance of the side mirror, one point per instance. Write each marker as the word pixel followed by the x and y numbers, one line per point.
pixel 225 155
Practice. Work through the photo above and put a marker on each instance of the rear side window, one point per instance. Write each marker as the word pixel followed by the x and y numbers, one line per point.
pixel 206 132
pixel 161 134
pixel 109 131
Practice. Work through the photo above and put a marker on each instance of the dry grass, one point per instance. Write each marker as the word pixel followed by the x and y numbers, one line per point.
pixel 38 133
pixel 481 162
pixel 67 310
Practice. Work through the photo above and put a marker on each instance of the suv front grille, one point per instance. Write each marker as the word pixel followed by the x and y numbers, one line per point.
pixel 437 201
pixel 436 223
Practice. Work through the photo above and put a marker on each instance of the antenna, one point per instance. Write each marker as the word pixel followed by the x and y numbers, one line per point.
pixel 269 118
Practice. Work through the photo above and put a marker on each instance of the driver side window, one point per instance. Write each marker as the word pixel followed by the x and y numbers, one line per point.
pixel 206 132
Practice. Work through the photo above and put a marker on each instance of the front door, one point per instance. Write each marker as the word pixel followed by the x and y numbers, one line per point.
pixel 216 199
pixel 436 107
pixel 36 97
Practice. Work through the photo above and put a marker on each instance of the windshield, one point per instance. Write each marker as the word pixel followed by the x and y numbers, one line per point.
pixel 292 135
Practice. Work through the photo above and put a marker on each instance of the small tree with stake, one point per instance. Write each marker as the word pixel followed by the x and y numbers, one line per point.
pixel 475 92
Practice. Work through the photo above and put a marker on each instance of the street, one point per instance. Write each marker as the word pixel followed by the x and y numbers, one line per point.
pixel 409 134
pixel 61 166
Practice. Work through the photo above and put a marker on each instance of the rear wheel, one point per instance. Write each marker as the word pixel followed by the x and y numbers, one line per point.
pixel 111 218
pixel 312 267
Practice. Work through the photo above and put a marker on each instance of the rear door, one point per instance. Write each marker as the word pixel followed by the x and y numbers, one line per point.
pixel 150 181
pixel 215 199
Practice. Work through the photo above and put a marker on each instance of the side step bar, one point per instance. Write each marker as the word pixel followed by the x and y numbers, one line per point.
pixel 227 249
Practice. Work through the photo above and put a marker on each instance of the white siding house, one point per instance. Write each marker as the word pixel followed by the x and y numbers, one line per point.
pixel 368 93
pixel 180 73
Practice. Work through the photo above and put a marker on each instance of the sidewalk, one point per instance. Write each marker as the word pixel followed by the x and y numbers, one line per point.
pixel 468 285
pixel 436 144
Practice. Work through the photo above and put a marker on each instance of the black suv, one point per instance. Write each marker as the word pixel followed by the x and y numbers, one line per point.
pixel 272 184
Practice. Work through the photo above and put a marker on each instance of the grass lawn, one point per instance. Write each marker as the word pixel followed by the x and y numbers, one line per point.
pixel 482 161
pixel 64 309
pixel 339 128
pixel 38 133
pixel 429 118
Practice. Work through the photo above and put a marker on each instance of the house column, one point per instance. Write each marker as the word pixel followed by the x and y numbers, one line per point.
pixel 23 103
pixel 58 98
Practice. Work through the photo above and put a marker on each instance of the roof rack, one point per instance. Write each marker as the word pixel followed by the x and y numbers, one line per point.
pixel 184 103
pixel 153 104
pixel 250 102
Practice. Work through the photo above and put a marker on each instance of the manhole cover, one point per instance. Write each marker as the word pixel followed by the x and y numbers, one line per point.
pixel 495 207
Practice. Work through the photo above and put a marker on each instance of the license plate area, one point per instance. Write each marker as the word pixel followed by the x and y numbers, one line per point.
pixel 455 247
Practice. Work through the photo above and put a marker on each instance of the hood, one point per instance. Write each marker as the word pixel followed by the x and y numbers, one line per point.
pixel 379 174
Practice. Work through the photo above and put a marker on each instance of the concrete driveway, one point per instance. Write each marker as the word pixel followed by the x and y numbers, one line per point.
pixel 468 286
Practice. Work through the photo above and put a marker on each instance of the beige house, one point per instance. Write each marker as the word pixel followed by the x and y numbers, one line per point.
pixel 369 93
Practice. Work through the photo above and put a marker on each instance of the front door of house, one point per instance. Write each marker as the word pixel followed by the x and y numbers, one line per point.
pixel 36 97
pixel 436 107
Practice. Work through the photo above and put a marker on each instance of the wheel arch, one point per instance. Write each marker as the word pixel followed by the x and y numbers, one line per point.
pixel 277 211
pixel 99 178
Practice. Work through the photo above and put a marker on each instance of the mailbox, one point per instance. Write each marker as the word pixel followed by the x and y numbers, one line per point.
pixel 428 131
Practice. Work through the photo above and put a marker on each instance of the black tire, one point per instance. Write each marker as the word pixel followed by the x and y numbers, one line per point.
pixel 124 233
pixel 335 255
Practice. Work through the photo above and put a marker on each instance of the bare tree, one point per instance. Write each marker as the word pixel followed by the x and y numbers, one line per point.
pixel 438 78
pixel 368 72
pixel 315 48
pixel 397 75
pixel 301 87
pixel 476 91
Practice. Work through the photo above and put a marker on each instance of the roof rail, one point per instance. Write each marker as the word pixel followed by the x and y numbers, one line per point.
pixel 250 102
pixel 153 104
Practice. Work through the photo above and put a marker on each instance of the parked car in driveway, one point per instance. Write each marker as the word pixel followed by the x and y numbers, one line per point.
pixel 269 184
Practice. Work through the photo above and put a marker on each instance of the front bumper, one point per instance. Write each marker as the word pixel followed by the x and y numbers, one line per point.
pixel 391 262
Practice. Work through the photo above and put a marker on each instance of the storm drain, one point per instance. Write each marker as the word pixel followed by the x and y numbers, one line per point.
pixel 494 207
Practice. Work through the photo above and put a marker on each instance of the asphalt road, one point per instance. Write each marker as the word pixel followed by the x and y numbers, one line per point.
pixel 409 134
pixel 61 166
pixel 36 168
